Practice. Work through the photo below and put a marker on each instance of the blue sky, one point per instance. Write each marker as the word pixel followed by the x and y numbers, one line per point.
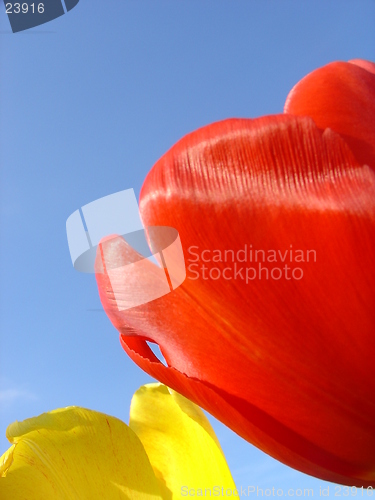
pixel 89 102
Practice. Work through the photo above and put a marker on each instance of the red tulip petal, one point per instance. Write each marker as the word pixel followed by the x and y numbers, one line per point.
pixel 251 423
pixel 340 96
pixel 367 65
pixel 286 363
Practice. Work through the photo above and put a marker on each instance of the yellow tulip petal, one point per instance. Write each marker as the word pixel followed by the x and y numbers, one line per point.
pixel 73 453
pixel 180 442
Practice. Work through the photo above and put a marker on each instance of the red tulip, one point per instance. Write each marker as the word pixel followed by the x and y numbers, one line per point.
pixel 286 362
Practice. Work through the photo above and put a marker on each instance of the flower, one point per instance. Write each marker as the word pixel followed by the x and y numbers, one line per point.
pixel 77 453
pixel 272 331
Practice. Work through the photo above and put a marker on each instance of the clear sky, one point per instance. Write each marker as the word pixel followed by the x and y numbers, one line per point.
pixel 89 102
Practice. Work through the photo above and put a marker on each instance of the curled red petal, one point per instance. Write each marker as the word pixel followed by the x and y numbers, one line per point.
pixel 340 96
pixel 286 363
pixel 246 419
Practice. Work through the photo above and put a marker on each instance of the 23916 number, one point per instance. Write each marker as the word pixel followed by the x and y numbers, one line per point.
pixel 353 491
pixel 23 8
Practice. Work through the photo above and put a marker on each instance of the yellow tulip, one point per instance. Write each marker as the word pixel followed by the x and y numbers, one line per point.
pixel 169 450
